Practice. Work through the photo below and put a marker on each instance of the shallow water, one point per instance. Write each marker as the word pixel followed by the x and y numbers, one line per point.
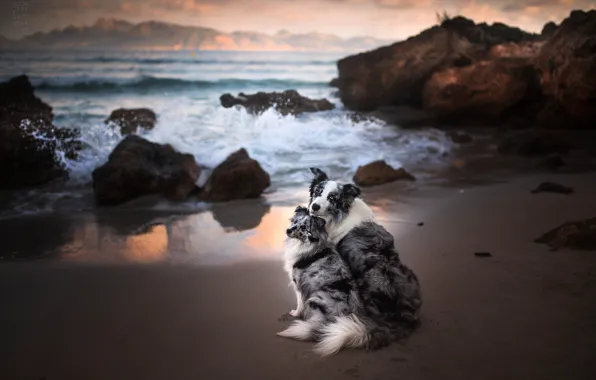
pixel 184 88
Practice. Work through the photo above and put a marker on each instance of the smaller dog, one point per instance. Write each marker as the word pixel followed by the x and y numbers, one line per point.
pixel 327 298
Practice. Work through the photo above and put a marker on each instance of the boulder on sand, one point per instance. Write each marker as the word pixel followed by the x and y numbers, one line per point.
pixel 129 120
pixel 579 235
pixel 287 102
pixel 138 167
pixel 378 173
pixel 30 145
pixel 238 177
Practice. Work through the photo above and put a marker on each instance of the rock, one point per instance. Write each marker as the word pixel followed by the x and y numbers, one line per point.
pixel 378 173
pixel 287 102
pixel 334 82
pixel 532 142
pixel 30 145
pixel 579 235
pixel 459 137
pixel 567 62
pixel 138 167
pixel 486 92
pixel 396 75
pixel 403 116
pixel 129 120
pixel 551 187
pixel 238 177
pixel 549 29
pixel 551 163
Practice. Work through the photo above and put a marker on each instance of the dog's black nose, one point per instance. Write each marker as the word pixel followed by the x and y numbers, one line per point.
pixel 288 231
pixel 315 207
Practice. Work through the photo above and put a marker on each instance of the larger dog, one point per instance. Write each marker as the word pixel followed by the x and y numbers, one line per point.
pixel 389 289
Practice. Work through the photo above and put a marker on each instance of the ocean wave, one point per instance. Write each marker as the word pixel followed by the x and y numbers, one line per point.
pixel 149 82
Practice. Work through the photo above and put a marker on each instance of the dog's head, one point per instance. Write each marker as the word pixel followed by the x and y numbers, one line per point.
pixel 304 226
pixel 329 199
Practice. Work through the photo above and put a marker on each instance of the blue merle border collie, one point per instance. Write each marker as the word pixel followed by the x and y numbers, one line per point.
pixel 328 303
pixel 389 289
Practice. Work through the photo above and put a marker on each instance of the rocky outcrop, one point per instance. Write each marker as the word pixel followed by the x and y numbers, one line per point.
pixel 130 120
pixel 31 147
pixel 567 62
pixel 286 102
pixel 378 173
pixel 532 143
pixel 396 75
pixel 484 92
pixel 138 167
pixel 579 235
pixel 462 72
pixel 238 177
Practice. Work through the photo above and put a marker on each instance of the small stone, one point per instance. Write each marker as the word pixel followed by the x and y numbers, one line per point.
pixel 552 187
pixel 483 254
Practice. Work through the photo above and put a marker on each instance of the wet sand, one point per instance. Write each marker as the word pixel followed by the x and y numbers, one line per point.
pixel 199 296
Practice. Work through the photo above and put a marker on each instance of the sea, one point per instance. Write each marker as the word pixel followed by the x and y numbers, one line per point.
pixel 183 88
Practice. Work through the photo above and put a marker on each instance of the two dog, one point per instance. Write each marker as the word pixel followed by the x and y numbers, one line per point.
pixel 352 289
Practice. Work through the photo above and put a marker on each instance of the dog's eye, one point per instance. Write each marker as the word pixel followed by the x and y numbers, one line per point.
pixel 303 227
pixel 332 198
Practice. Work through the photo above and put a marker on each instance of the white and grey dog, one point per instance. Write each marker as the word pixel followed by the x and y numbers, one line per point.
pixel 389 289
pixel 328 304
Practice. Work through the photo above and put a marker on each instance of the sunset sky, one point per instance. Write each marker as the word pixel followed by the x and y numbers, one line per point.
pixel 392 19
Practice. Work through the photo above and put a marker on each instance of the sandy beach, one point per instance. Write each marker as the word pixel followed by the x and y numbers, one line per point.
pixel 199 296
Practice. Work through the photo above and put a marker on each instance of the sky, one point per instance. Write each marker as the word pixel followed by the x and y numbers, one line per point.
pixel 387 19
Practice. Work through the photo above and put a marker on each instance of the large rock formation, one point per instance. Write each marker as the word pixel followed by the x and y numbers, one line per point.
pixel 486 91
pixel 129 120
pixel 396 75
pixel 568 65
pixel 461 72
pixel 31 147
pixel 138 167
pixel 287 102
pixel 238 177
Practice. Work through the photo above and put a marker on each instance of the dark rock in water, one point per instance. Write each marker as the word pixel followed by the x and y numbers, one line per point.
pixel 403 116
pixel 378 173
pixel 551 187
pixel 334 82
pixel 459 138
pixel 287 102
pixel 532 143
pixel 579 235
pixel 129 120
pixel 551 163
pixel 486 92
pixel 567 62
pixel 238 177
pixel 138 167
pixel 30 145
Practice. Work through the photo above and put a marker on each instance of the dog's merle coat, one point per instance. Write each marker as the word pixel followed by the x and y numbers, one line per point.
pixel 390 290
pixel 326 291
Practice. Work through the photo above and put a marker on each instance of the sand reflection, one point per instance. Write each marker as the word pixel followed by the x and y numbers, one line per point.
pixel 150 246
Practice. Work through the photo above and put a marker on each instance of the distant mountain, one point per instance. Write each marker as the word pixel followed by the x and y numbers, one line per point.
pixel 155 35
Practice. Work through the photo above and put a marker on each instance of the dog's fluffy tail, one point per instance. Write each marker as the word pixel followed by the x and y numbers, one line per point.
pixel 352 331
pixel 301 330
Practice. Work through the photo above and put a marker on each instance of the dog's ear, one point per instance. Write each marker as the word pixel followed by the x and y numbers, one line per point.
pixel 301 209
pixel 320 176
pixel 351 191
